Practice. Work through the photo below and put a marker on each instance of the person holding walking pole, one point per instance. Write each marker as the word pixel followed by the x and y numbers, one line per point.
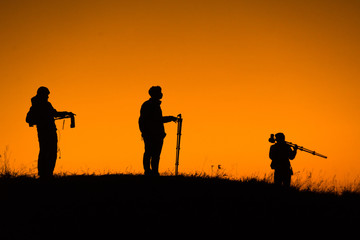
pixel 151 124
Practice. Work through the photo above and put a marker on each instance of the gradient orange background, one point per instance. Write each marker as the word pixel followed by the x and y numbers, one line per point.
pixel 237 71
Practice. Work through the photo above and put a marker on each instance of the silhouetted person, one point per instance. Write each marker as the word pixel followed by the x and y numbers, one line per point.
pixel 151 123
pixel 281 154
pixel 42 114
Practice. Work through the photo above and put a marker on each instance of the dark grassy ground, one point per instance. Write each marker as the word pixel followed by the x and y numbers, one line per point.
pixel 119 205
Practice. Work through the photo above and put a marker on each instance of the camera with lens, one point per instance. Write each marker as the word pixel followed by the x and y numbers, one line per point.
pixel 272 138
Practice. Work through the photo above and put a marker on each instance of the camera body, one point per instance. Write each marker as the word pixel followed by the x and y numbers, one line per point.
pixel 68 115
pixel 272 138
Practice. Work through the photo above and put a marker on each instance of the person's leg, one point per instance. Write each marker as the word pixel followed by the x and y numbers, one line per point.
pixel 277 177
pixel 43 154
pixel 287 179
pixel 155 158
pixel 47 154
pixel 42 158
pixel 147 156
pixel 53 148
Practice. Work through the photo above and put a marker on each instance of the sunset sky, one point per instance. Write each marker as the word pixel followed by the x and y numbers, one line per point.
pixel 236 70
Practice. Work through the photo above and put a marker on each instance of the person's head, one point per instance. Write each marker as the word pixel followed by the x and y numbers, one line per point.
pixel 280 137
pixel 43 93
pixel 155 92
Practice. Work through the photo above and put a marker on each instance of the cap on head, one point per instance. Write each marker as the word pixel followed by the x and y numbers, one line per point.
pixel 280 137
pixel 43 91
pixel 155 92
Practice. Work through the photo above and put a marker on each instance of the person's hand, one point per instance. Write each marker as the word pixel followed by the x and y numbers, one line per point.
pixel 69 114
pixel 174 119
pixel 296 147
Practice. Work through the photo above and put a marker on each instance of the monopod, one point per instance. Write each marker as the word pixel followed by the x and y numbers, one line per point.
pixel 179 126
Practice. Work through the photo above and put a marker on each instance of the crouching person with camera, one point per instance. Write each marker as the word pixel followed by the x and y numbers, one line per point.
pixel 42 114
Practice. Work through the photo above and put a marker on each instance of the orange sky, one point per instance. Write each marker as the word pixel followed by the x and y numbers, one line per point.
pixel 237 71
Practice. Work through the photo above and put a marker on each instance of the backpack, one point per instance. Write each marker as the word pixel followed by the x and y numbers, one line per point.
pixel 30 117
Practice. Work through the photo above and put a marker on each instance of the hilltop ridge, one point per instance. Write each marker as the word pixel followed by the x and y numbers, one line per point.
pixel 133 204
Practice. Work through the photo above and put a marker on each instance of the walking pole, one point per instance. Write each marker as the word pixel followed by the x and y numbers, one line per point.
pixel 179 121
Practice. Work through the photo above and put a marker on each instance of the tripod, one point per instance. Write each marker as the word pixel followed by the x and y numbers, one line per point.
pixel 272 140
pixel 179 126
pixel 306 150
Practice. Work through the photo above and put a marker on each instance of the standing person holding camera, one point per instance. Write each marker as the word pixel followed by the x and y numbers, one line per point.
pixel 280 154
pixel 42 114
pixel 151 124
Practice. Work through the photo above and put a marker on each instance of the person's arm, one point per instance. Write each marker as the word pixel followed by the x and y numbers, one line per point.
pixel 63 114
pixel 169 119
pixel 57 114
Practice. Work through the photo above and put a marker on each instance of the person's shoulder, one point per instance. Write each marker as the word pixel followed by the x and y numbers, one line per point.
pixel 49 105
pixel 277 146
pixel 150 103
pixel 146 103
pixel 273 146
pixel 34 100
